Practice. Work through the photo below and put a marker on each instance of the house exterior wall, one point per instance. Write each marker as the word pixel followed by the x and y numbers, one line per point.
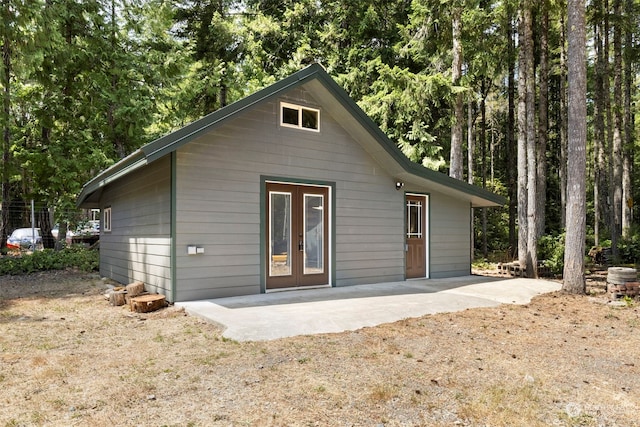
pixel 218 202
pixel 450 237
pixel 139 245
pixel 218 207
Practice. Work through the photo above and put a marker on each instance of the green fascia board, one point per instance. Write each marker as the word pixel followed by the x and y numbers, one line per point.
pixel 124 167
pixel 171 142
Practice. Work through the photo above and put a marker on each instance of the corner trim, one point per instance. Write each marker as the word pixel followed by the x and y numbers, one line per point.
pixel 174 210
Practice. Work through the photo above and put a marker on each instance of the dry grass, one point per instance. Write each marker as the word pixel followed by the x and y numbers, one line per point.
pixel 68 358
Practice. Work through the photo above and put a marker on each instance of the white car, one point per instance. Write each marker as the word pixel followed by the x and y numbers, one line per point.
pixel 25 238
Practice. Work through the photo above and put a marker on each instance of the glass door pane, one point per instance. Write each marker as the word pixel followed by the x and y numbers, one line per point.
pixel 314 233
pixel 414 219
pixel 280 234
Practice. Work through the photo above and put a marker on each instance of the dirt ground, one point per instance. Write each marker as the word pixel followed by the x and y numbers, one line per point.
pixel 68 358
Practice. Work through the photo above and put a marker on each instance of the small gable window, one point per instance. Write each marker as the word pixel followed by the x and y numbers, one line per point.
pixel 297 116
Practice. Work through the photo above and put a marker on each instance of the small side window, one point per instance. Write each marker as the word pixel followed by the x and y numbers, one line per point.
pixel 297 116
pixel 106 226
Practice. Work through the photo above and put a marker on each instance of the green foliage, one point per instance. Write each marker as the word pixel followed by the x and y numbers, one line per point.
pixel 629 248
pixel 551 252
pixel 72 257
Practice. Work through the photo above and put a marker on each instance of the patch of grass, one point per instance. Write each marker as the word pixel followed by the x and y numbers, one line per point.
pixel 382 392
pixel 210 360
pixel 229 340
pixel 499 404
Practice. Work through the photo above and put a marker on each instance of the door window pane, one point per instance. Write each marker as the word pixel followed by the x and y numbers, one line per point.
pixel 313 234
pixel 280 234
pixel 414 219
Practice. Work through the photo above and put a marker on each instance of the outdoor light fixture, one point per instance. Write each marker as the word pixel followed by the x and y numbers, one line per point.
pixel 399 185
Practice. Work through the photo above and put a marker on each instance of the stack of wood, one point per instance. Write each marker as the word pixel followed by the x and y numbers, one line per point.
pixel 622 282
pixel 136 297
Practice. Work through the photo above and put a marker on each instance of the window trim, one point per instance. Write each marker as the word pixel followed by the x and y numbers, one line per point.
pixel 106 219
pixel 300 109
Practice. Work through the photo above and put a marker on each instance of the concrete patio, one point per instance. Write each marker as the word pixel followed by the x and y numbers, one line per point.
pixel 313 311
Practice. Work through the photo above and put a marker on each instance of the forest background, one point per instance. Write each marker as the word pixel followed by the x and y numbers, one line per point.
pixel 473 88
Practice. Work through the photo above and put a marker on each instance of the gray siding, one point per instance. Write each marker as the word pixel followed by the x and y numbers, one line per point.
pixel 450 237
pixel 139 244
pixel 218 202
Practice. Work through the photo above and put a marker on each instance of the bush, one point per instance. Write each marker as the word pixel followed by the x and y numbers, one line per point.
pixel 629 249
pixel 551 252
pixel 48 259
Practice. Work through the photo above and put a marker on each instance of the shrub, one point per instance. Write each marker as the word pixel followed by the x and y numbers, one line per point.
pixel 629 249
pixel 551 251
pixel 48 259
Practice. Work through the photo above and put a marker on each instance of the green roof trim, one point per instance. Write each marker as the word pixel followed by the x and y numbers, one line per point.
pixel 172 141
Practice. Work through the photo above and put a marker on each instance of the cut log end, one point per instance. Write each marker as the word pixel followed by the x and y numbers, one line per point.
pixel 147 303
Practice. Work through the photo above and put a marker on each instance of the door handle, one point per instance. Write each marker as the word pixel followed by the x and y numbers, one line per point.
pixel 300 245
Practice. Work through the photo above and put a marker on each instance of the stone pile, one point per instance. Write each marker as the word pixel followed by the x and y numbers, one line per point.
pixel 622 282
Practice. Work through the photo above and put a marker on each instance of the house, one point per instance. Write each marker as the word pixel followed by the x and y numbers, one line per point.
pixel 291 187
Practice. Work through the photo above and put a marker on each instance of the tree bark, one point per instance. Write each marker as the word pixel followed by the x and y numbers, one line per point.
pixel 611 181
pixel 563 129
pixel 531 266
pixel 598 120
pixel 628 151
pixel 617 122
pixel 44 222
pixel 6 132
pixel 455 163
pixel 574 281
pixel 543 124
pixel 483 145
pixel 511 143
pixel 470 153
pixel 522 148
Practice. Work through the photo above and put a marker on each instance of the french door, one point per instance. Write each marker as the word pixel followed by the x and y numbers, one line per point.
pixel 297 235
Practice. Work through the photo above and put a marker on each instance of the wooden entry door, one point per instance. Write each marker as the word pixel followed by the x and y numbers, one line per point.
pixel 416 239
pixel 297 235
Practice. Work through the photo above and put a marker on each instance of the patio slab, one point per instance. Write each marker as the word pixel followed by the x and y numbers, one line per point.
pixel 313 311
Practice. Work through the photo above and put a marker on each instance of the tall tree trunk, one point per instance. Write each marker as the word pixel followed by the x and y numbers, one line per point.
pixel 471 136
pixel 483 144
pixel 456 164
pixel 617 123
pixel 44 222
pixel 628 152
pixel 6 126
pixel 471 140
pixel 531 266
pixel 563 128
pixel 522 146
pixel 117 139
pixel 598 119
pixel 543 124
pixel 574 281
pixel 613 228
pixel 511 143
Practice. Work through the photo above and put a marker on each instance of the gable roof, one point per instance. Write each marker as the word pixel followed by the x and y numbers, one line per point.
pixel 315 79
